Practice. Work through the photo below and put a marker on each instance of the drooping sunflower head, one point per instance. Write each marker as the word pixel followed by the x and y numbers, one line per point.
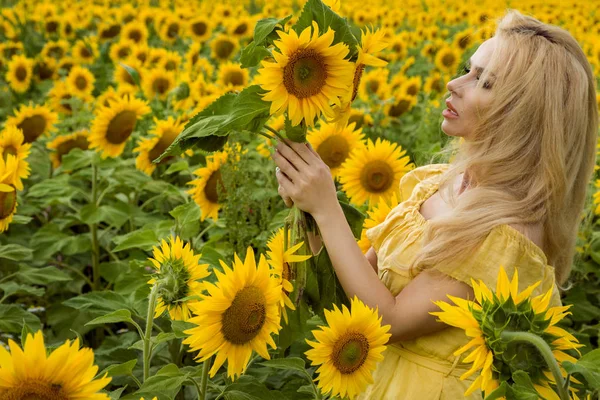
pixel 208 191
pixel 20 71
pixel 308 75
pixel 33 121
pixel 63 144
pixel 374 171
pixel 178 278
pixel 158 82
pixel 114 124
pixel 493 313
pixel 280 259
pixel 150 148
pixel 224 47
pixel 334 144
pixel 348 349
pixel 80 81
pixel 238 315
pixel 11 143
pixel 66 373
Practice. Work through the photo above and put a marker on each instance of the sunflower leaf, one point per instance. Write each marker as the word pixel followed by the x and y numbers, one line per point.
pixel 588 366
pixel 15 252
pixel 125 368
pixel 315 10
pixel 12 318
pixel 113 317
pixel 266 27
pixel 253 54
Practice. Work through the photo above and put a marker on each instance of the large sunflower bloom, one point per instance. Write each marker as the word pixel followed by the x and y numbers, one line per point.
pixel 280 260
pixel 114 124
pixel 208 185
pixel 374 171
pixel 11 142
pixel 63 144
pixel 334 144
pixel 8 192
pixel 20 70
pixel 150 148
pixel 376 216
pixel 238 315
pixel 348 349
pixel 67 373
pixel 177 276
pixel 484 320
pixel 307 76
pixel 34 121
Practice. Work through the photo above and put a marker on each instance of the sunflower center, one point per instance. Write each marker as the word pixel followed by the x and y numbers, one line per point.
pixel 234 78
pixel 44 71
pixel 120 127
pixel 111 32
pixel 85 53
pixel 350 352
pixel 334 150
pixel 56 52
pixel 136 36
pixel 51 27
pixel 124 52
pixel 80 142
pixel 160 147
pixel 35 390
pixel 8 202
pixel 399 108
pixel 32 127
pixel 224 49
pixel 436 85
pixel 210 190
pixel 8 150
pixel 160 85
pixel 173 30
pixel 21 73
pixel 241 29
pixel 448 60
pixel 412 90
pixel 377 176
pixel 81 82
pixel 305 74
pixel 170 65
pixel 245 317
pixel 199 28
pixel 372 86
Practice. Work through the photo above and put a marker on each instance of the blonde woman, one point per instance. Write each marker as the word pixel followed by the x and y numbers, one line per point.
pixel 513 194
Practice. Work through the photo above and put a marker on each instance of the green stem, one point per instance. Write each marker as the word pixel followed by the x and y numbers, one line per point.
pixel 267 127
pixel 204 381
pixel 546 352
pixel 198 390
pixel 8 276
pixel 266 135
pixel 148 332
pixel 94 229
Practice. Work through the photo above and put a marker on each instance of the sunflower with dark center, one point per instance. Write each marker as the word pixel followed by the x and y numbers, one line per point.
pixel 19 73
pixel 80 82
pixel 401 104
pixel 224 47
pixel 161 137
pixel 348 349
pixel 237 316
pixel 232 76
pixel 374 171
pixel 66 373
pixel 63 144
pixel 282 261
pixel 208 190
pixel 120 51
pixel 33 121
pixel 334 143
pixel 11 143
pixel 158 83
pixel 114 124
pixel 447 59
pixel 8 192
pixel 200 28
pixel 178 278
pixel 308 75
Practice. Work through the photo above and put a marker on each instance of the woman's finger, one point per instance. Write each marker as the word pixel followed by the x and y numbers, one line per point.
pixel 285 166
pixel 285 184
pixel 291 155
pixel 302 151
pixel 312 150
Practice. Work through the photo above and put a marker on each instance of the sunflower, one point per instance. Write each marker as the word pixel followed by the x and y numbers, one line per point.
pixel 56 49
pixel 463 40
pixel 360 118
pixel 80 82
pixel 506 309
pixel 65 64
pixel 155 56
pixel 135 31
pixel 58 97
pixel 85 51
pixel 374 171
pixel 238 315
pixel 121 51
pixel 200 29
pixel 114 124
pixel 162 135
pixel 45 68
pixel 196 63
pixel 401 104
pixel 411 86
pixel 171 61
pixel 8 192
pixel 335 144
pixel 11 142
pixel 240 27
pixel 158 83
pixel 308 74
pixel 67 373
pixel 371 42
pixel 18 75
pixel 170 29
pixel 112 94
pixel 373 83
pixel 123 78
pixel 447 59
pixel 279 260
pixel 63 144
pixel 223 47
pixel 348 349
pixel 376 216
pixel 232 76
pixel 34 121
pixel 208 190
pixel 434 83
pixel 140 53
pixel 177 278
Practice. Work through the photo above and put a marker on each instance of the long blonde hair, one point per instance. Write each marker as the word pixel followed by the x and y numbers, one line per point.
pixel 532 153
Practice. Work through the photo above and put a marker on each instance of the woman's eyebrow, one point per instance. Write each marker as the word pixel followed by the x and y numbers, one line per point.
pixel 478 69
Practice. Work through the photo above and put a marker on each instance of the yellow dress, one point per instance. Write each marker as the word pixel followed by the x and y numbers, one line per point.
pixel 425 368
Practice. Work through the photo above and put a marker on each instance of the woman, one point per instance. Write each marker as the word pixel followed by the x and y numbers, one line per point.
pixel 512 196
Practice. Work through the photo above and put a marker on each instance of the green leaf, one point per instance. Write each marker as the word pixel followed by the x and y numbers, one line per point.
pixel 99 302
pixel 52 188
pixel 26 331
pixel 12 318
pixel 330 289
pixel 177 167
pixel 354 217
pixel 113 317
pixel 265 27
pixel 42 276
pixel 15 252
pixel 143 239
pixel 188 219
pixel 21 220
pixel 167 383
pixel 10 288
pixel 125 368
pixel 132 72
pixel 523 388
pixel 295 133
pixel 77 159
pixel 116 394
pixel 315 10
pixel 247 387
pixel 588 366
pixel 288 363
pixel 252 55
pixel 180 326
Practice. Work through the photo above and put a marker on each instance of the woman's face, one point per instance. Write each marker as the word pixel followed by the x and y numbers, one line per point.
pixel 466 97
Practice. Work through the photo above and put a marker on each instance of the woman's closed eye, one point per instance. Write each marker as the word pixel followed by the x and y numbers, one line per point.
pixel 486 84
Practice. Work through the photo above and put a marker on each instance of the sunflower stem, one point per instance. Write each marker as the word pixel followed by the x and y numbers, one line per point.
pixel 148 333
pixel 198 390
pixel 266 135
pixel 94 229
pixel 204 381
pixel 267 127
pixel 546 352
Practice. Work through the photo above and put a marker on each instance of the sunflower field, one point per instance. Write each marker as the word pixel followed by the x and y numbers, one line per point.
pixel 144 249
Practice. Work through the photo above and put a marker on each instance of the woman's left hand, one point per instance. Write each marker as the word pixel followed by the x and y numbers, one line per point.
pixel 304 178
